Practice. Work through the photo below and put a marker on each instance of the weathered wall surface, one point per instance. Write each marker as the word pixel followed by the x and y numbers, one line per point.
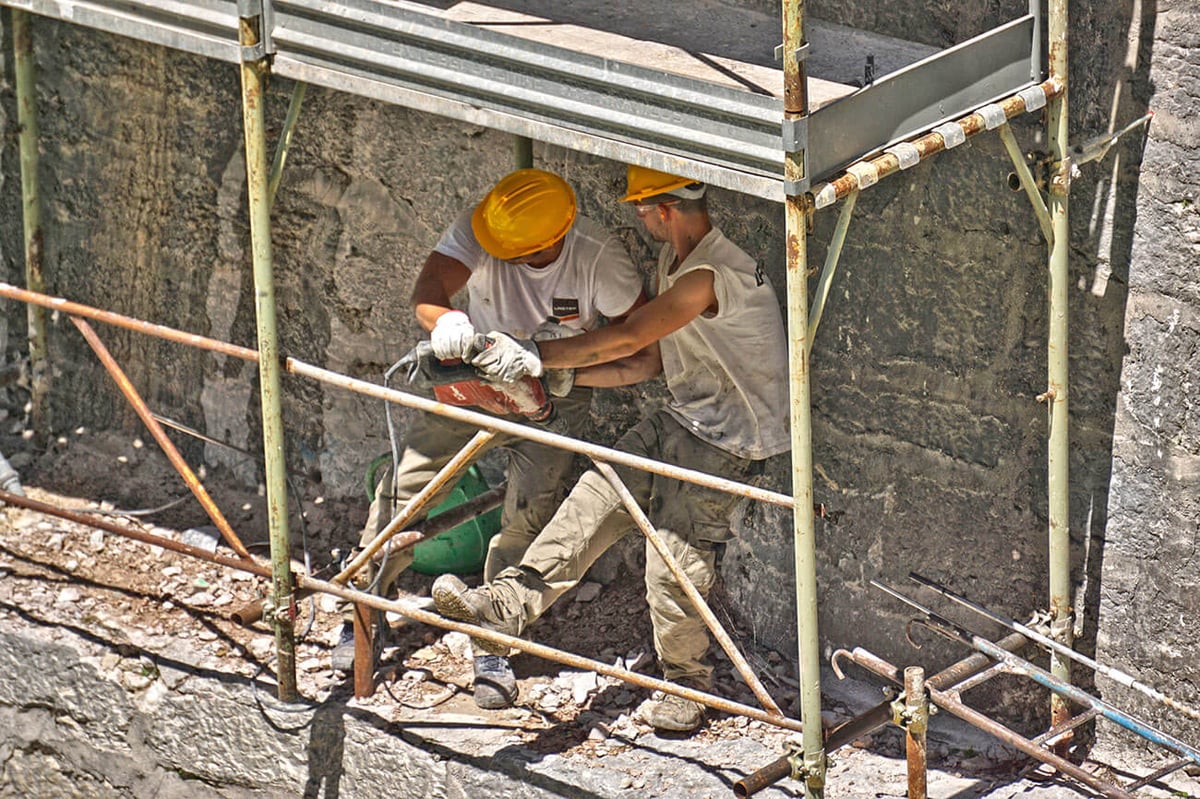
pixel 929 443
pixel 1149 605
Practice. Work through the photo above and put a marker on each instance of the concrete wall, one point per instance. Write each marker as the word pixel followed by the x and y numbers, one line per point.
pixel 929 444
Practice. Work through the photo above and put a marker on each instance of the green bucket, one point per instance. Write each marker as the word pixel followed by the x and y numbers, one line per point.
pixel 459 550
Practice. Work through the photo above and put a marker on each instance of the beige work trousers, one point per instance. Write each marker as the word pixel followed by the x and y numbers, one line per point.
pixel 536 479
pixel 693 521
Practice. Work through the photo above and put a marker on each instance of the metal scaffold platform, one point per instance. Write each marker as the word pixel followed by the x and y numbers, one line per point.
pixel 776 131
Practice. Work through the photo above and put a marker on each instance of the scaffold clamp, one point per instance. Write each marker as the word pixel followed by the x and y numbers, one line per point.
pixel 801 52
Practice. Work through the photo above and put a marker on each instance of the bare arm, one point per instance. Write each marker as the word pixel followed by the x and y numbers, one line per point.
pixel 440 279
pixel 691 296
pixel 643 365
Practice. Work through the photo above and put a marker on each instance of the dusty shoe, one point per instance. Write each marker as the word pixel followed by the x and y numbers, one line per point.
pixel 671 713
pixel 342 658
pixel 495 683
pixel 472 605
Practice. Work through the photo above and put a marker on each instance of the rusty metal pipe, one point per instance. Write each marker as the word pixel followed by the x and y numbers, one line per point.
pixel 710 620
pixel 995 728
pixel 461 461
pixel 431 528
pixel 168 447
pixel 916 709
pixel 252 612
pixel 364 388
pixel 874 718
pixel 946 700
pixel 251 566
pixel 927 145
pixel 313 585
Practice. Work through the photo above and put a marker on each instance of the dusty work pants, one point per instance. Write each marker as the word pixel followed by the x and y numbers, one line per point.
pixel 693 521
pixel 536 475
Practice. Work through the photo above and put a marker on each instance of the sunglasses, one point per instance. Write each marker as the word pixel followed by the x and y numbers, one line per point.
pixel 644 209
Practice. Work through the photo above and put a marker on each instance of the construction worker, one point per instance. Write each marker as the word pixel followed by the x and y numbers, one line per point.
pixel 525 256
pixel 721 345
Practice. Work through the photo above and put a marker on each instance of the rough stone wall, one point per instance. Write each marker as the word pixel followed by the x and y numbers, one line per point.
pixel 1148 603
pixel 929 444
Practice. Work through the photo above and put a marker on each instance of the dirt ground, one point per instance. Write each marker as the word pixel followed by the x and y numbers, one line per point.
pixel 70 574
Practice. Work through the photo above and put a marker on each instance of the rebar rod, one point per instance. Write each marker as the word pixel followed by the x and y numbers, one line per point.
pixel 364 388
pixel 804 545
pixel 916 710
pixel 447 475
pixel 160 436
pixel 947 700
pixel 82 518
pixel 1058 454
pixel 1046 679
pixel 253 81
pixel 927 145
pixel 283 147
pixel 313 585
pixel 25 83
pixel 693 595
pixel 974 717
pixel 1114 674
pixel 825 281
pixel 951 677
pixel 1027 181
pixel 1157 774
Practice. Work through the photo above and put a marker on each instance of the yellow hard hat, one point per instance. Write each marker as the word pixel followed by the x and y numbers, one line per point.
pixel 527 211
pixel 642 182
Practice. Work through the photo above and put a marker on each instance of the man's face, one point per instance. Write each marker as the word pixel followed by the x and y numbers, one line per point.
pixel 542 258
pixel 653 216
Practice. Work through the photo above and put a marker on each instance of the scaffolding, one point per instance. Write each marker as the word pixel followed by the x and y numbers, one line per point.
pixel 811 147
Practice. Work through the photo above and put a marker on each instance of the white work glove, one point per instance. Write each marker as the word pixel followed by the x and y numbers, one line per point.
pixel 507 360
pixel 453 336
pixel 559 382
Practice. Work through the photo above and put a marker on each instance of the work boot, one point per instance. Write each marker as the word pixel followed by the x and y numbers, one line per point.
pixel 342 657
pixel 671 713
pixel 495 683
pixel 472 605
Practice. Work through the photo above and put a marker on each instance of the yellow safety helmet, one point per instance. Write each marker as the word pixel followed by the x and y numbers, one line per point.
pixel 642 182
pixel 527 211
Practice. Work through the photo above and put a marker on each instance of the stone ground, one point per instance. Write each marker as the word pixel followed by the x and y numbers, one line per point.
pixel 134 609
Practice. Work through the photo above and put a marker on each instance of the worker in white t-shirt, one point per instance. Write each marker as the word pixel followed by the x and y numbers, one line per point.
pixel 716 326
pixel 524 256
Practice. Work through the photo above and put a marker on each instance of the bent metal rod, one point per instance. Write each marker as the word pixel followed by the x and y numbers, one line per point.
pixel 406 609
pixel 1019 665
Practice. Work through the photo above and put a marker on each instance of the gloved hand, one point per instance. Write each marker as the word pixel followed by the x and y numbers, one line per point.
pixel 508 359
pixel 452 336
pixel 559 382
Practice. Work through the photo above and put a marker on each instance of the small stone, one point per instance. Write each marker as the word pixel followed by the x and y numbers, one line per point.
pixel 597 733
pixel 588 592
pixel 415 675
pixel 582 686
pixel 458 643
pixel 171 571
pixel 110 661
pixel 168 605
pixel 122 459
pixel 202 599
pixel 207 635
pixel 310 664
pixel 68 595
pixel 96 540
pixel 138 443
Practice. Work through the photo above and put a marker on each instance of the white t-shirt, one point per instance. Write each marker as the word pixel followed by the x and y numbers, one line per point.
pixel 592 277
pixel 728 373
